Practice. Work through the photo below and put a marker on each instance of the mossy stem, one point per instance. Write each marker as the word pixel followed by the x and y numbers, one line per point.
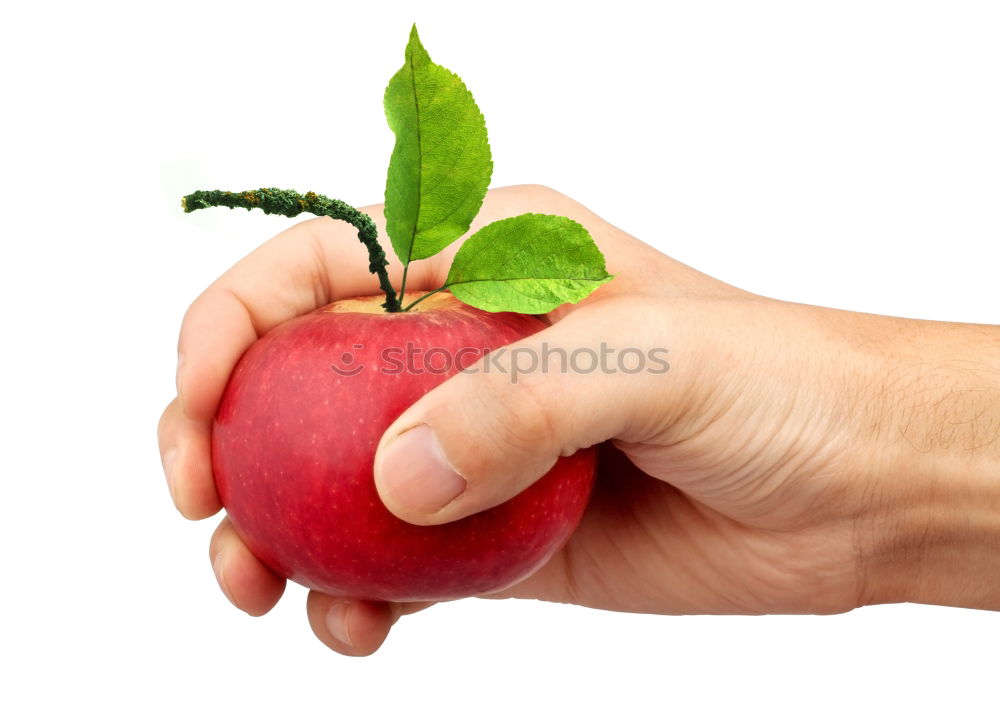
pixel 290 203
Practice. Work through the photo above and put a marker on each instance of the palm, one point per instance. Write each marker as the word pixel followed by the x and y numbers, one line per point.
pixel 643 545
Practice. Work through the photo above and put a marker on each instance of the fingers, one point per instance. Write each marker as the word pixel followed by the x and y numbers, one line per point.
pixel 480 438
pixel 354 628
pixel 247 583
pixel 185 450
pixel 351 627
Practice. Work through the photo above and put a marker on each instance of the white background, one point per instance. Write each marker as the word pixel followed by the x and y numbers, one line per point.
pixel 842 153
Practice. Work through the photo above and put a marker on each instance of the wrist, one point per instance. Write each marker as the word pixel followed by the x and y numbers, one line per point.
pixel 938 541
pixel 933 533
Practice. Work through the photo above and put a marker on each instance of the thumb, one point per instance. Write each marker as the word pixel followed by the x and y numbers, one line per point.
pixel 486 434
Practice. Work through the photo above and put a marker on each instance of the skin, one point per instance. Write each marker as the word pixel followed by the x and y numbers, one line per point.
pixel 818 460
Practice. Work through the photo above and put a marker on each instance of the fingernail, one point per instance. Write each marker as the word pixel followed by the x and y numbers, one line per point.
pixel 415 474
pixel 220 575
pixel 337 623
pixel 168 465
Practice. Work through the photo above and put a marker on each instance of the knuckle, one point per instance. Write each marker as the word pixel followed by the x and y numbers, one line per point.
pixel 540 191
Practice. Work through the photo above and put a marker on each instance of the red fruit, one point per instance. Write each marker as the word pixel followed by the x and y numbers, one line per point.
pixel 295 437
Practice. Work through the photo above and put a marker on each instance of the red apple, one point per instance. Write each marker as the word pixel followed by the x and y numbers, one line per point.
pixel 294 442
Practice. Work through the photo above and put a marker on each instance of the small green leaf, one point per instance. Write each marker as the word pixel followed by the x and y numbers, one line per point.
pixel 527 264
pixel 441 165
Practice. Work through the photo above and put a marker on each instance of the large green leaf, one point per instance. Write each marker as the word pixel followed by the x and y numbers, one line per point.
pixel 441 165
pixel 528 264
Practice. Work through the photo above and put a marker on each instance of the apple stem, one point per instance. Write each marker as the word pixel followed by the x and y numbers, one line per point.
pixel 289 203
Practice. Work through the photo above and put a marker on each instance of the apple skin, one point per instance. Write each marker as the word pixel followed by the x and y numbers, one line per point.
pixel 293 444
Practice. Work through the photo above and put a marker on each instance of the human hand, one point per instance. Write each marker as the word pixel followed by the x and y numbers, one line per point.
pixel 776 427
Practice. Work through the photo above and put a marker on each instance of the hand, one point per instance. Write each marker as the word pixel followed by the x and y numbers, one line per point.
pixel 793 459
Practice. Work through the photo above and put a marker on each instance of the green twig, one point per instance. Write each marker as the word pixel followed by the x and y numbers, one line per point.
pixel 289 203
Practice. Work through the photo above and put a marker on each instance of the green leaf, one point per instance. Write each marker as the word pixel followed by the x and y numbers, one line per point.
pixel 441 164
pixel 527 264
